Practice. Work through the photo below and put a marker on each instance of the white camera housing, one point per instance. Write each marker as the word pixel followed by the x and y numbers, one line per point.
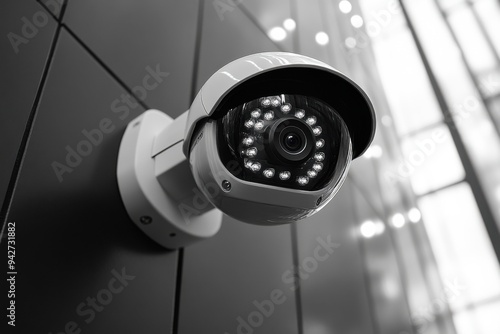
pixel 268 140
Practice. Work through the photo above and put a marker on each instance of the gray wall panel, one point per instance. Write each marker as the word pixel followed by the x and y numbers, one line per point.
pixel 334 296
pixel 71 235
pixel 54 6
pixel 23 52
pixel 225 275
pixel 130 36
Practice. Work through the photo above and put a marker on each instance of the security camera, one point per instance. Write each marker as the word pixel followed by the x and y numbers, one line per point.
pixel 268 140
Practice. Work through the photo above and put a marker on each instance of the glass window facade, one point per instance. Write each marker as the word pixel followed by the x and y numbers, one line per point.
pixel 440 74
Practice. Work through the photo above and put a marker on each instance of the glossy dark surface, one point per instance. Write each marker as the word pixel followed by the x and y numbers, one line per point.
pixel 131 36
pixel 23 56
pixel 73 234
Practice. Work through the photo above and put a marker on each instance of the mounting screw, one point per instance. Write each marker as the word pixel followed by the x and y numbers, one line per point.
pixel 226 185
pixel 146 220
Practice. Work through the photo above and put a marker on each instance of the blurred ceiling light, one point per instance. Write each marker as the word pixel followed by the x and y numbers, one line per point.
pixel 386 120
pixel 350 42
pixel 390 288
pixel 414 215
pixel 322 38
pixel 357 21
pixel 368 229
pixel 374 151
pixel 345 6
pixel 398 220
pixel 289 24
pixel 277 34
pixel 379 228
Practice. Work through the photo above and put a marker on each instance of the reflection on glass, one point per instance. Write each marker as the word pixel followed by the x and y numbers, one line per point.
pixel 489 13
pixel 465 323
pixel 410 96
pixel 469 114
pixel 414 215
pixel 495 108
pixel 480 320
pixel 277 34
pixel 398 220
pixel 450 4
pixel 431 160
pixel 289 24
pixel 373 152
pixel 322 38
pixel 357 21
pixel 472 41
pixel 345 6
pixel 461 245
pixel 489 83
pixel 467 263
pixel 370 228
pixel 487 318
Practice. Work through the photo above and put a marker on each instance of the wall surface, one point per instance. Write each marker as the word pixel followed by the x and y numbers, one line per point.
pixel 81 263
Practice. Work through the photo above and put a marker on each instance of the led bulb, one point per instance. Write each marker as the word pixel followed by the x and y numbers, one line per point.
pixel 285 175
pixel 247 162
pixel 248 141
pixel 317 130
pixel 266 102
pixel 249 123
pixel 286 108
pixel 320 143
pixel 311 120
pixel 300 113
pixel 275 101
pixel 256 113
pixel 259 125
pixel 251 152
pixel 269 173
pixel 312 173
pixel 302 180
pixel 317 166
pixel 320 156
pixel 269 116
pixel 255 167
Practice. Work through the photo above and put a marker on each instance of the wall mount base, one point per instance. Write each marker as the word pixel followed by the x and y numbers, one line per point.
pixel 147 203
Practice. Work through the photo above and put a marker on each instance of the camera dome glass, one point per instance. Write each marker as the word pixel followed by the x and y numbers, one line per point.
pixel 290 141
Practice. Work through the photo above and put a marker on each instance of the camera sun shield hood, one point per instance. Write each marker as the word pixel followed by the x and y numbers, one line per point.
pixel 270 73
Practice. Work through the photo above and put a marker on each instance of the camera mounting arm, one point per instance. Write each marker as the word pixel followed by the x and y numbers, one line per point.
pixel 157 186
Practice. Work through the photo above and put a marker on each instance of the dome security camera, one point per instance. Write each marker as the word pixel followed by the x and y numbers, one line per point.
pixel 268 140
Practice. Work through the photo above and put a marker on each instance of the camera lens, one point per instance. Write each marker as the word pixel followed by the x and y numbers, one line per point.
pixel 292 140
